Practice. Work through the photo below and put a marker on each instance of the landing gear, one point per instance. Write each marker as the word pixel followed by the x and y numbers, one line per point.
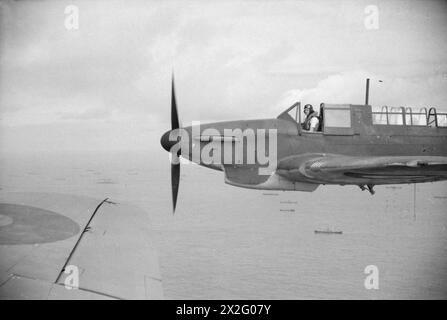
pixel 369 187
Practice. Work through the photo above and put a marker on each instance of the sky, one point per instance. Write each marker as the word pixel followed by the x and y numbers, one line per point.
pixel 106 84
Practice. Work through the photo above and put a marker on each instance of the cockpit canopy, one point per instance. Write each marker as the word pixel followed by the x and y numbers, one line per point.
pixel 338 119
pixel 409 117
pixel 330 116
pixel 339 116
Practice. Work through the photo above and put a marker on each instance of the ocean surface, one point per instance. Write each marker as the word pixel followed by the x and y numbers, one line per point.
pixel 231 243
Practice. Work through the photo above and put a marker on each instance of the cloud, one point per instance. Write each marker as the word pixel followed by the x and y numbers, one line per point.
pixel 349 87
pixel 90 114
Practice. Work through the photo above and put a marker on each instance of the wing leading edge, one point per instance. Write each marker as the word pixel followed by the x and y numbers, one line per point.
pixel 338 169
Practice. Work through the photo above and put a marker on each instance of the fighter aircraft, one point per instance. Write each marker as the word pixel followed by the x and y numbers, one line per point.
pixel 354 146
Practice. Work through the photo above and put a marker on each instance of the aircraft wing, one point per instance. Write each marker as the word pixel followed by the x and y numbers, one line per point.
pixel 249 177
pixel 41 235
pixel 330 168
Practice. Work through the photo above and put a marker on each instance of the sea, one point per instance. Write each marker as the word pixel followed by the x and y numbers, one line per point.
pixel 225 242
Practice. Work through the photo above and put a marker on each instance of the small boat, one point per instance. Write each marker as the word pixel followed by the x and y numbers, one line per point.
pixel 328 231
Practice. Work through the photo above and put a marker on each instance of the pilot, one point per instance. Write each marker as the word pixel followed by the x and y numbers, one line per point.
pixel 311 123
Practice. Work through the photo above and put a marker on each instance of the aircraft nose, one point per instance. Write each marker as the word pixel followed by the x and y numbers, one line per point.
pixel 165 142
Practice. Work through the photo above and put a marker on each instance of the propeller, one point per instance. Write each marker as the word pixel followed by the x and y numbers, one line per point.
pixel 167 144
pixel 174 114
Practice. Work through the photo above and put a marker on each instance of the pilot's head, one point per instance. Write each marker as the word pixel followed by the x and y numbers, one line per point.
pixel 308 109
